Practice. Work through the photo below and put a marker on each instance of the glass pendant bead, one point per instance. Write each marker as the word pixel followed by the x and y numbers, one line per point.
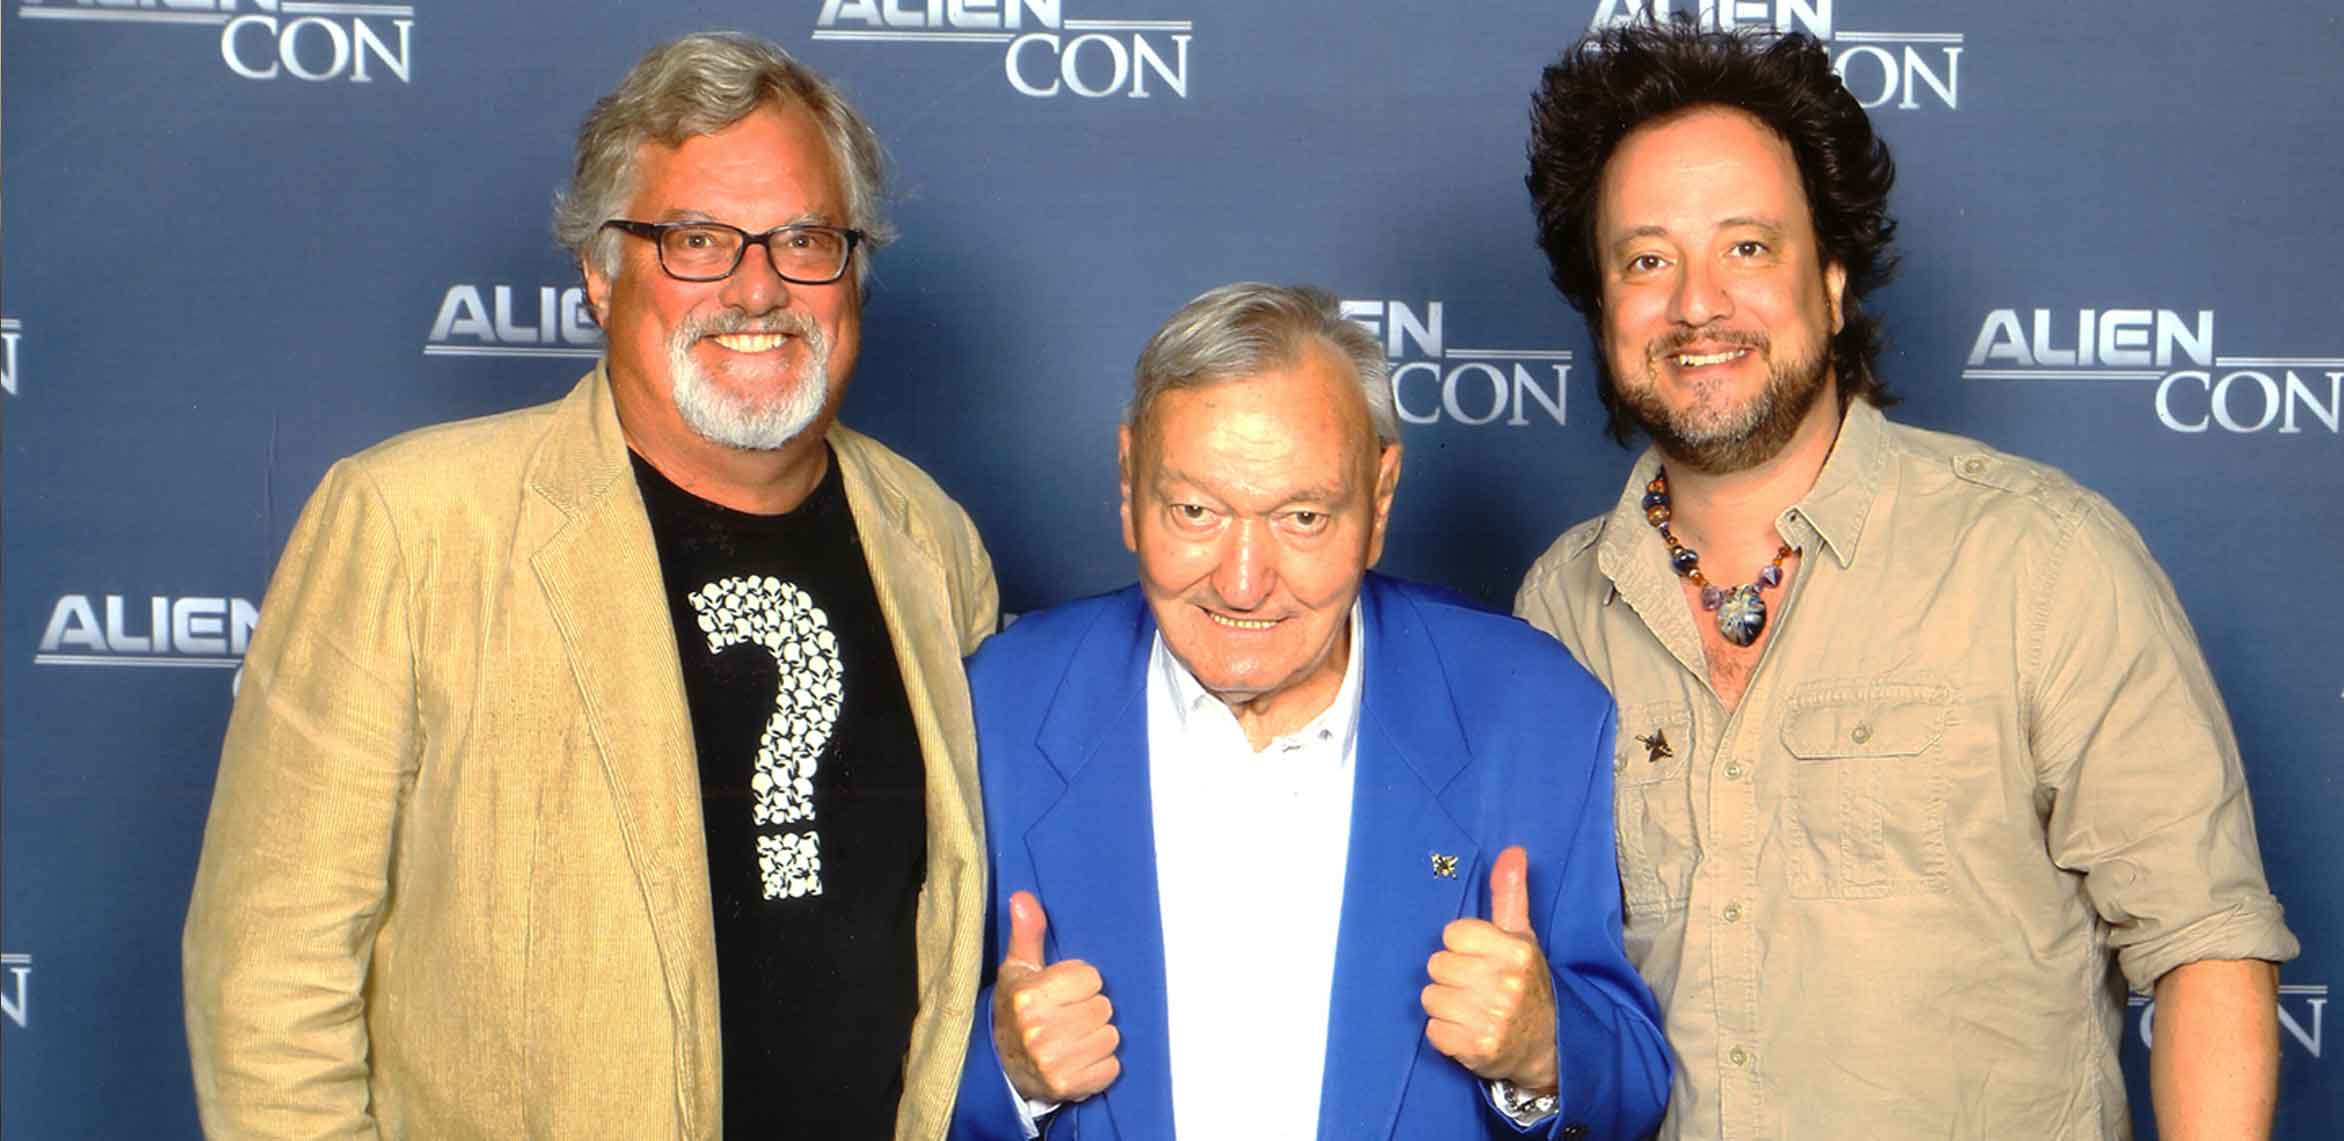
pixel 1742 615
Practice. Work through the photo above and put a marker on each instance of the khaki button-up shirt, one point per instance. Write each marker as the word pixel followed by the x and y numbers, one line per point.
pixel 1980 759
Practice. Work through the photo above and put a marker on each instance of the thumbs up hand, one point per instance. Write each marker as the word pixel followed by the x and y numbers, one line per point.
pixel 1491 1003
pixel 1051 1024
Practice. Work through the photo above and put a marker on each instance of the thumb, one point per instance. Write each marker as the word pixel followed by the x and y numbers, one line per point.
pixel 1509 891
pixel 1026 924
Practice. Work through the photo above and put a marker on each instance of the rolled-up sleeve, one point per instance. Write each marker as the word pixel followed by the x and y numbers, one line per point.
pixel 2149 799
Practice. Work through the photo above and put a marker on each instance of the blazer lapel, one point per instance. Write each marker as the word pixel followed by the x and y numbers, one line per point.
pixel 1410 871
pixel 1097 843
pixel 600 574
pixel 915 602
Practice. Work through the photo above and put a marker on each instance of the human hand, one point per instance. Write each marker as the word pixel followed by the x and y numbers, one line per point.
pixel 1491 1004
pixel 1052 1026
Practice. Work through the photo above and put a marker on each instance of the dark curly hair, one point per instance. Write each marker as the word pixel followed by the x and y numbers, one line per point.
pixel 1630 75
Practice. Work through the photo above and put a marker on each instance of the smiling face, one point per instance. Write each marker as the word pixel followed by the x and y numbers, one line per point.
pixel 1718 307
pixel 750 361
pixel 1256 506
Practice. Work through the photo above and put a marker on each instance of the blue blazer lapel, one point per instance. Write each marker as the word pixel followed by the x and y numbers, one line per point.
pixel 1396 897
pixel 1097 844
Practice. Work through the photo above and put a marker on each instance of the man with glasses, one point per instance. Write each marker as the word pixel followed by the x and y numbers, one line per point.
pixel 605 768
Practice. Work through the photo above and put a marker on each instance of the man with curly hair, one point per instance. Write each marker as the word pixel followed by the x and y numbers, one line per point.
pixel 1919 764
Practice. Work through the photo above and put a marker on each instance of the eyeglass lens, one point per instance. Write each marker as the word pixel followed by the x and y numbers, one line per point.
pixel 713 251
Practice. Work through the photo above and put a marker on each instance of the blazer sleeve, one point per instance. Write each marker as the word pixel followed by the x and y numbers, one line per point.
pixel 321 750
pixel 1614 1062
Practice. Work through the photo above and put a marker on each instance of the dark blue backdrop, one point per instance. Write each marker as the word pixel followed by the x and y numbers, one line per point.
pixel 246 237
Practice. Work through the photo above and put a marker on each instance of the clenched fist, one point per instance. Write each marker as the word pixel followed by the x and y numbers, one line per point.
pixel 1491 1003
pixel 1052 1027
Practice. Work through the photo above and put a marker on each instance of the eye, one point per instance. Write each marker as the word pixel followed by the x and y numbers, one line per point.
pixel 1747 248
pixel 1191 513
pixel 1308 521
pixel 1645 263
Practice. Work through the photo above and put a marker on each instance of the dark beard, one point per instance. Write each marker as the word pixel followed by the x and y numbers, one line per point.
pixel 1765 428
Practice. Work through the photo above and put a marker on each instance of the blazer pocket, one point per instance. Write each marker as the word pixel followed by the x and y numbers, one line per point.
pixel 1866 814
pixel 1653 808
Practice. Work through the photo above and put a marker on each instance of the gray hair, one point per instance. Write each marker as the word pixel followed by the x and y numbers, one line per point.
pixel 698 85
pixel 1248 328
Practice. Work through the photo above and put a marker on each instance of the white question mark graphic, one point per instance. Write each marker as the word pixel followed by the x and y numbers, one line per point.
pixel 768 612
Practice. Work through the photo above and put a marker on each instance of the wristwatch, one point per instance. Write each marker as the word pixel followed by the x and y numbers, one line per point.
pixel 1522 1106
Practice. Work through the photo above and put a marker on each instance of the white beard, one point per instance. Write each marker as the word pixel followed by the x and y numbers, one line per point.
pixel 744 421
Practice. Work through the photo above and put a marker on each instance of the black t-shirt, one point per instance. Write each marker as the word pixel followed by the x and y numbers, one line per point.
pixel 813 794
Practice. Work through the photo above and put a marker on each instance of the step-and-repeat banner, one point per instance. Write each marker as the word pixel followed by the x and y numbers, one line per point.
pixel 247 237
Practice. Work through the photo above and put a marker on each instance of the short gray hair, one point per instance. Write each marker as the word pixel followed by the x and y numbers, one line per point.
pixel 1248 328
pixel 698 85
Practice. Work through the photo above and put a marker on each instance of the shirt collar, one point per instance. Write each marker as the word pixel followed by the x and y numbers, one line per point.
pixel 1190 700
pixel 1833 512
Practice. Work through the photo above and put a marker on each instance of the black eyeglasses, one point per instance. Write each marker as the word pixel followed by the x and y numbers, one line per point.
pixel 802 252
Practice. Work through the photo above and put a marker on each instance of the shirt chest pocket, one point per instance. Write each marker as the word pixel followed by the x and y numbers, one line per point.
pixel 1866 814
pixel 1653 808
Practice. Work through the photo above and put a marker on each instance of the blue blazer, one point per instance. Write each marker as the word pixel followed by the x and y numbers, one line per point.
pixel 1476 732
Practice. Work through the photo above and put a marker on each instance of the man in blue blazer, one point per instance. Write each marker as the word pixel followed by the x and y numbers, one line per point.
pixel 1281 848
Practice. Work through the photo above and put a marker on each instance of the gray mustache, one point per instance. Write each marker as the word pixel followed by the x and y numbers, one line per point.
pixel 735 321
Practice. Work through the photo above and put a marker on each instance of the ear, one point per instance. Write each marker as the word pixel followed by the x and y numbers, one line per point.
pixel 1387 483
pixel 1835 284
pixel 597 290
pixel 1123 469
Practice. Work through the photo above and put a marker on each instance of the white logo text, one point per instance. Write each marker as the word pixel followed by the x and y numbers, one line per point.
pixel 1923 65
pixel 556 323
pixel 188 632
pixel 2238 394
pixel 1432 382
pixel 313 41
pixel 1090 59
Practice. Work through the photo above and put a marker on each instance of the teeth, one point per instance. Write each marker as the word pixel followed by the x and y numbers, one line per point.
pixel 1242 623
pixel 751 342
pixel 1695 360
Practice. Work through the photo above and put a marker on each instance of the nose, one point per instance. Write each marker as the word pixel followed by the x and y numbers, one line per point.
pixel 755 285
pixel 1700 297
pixel 1248 569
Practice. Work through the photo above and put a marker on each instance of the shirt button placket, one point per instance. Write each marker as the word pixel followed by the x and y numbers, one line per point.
pixel 1733 943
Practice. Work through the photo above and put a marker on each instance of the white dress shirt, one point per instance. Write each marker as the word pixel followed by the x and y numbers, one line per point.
pixel 1250 849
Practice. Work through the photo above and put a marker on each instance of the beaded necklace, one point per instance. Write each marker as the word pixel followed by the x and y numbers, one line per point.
pixel 1741 610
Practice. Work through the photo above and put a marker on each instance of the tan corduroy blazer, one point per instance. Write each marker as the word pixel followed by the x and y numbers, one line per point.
pixel 454 883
